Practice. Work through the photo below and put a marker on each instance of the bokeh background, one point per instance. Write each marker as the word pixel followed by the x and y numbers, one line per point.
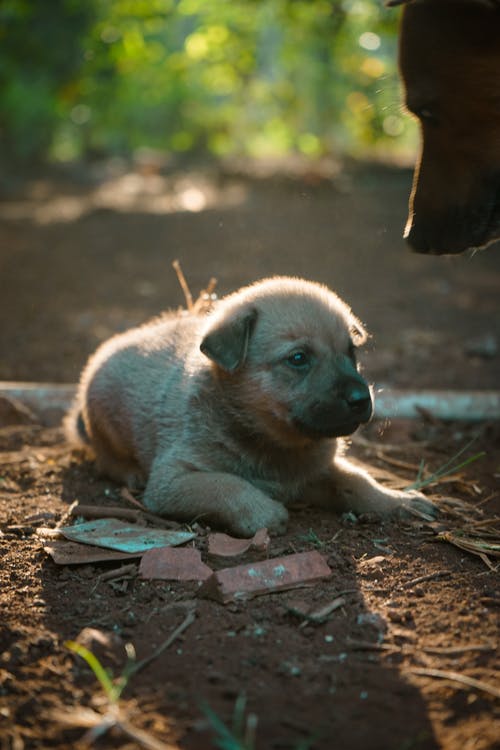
pixel 253 77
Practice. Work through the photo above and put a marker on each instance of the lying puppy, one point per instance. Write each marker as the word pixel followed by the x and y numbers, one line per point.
pixel 231 416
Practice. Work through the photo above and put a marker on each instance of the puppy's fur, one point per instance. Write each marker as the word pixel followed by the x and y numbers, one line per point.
pixel 231 416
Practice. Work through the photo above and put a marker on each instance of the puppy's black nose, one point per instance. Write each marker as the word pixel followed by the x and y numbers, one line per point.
pixel 357 396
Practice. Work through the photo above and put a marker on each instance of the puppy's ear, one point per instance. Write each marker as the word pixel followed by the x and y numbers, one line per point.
pixel 358 332
pixel 226 343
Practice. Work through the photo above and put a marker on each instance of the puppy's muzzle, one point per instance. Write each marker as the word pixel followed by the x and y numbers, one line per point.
pixel 341 414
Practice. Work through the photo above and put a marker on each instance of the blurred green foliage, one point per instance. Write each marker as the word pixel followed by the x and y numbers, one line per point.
pixel 221 76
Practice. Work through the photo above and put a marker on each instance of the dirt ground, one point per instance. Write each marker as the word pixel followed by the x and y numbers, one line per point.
pixel 86 253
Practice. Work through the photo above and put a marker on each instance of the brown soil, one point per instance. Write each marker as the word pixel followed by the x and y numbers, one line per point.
pixel 87 254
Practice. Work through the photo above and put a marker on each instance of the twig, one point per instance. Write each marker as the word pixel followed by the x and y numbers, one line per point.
pixel 485 522
pixel 320 615
pixel 105 511
pixel 456 677
pixel 323 612
pixel 360 645
pixel 125 570
pixel 99 724
pixel 127 495
pixel 188 620
pixel 487 499
pixel 457 650
pixel 347 591
pixel 428 577
pixel 126 514
pixel 143 738
pixel 184 286
pixel 481 548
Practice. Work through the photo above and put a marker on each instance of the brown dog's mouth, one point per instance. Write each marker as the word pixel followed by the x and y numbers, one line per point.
pixel 492 229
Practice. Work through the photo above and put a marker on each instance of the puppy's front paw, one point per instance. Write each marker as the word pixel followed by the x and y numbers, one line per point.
pixel 270 515
pixel 416 504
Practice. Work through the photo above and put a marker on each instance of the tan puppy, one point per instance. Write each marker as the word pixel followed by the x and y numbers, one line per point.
pixel 231 416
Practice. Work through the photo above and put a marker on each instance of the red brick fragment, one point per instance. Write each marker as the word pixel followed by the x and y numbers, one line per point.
pixel 265 577
pixel 223 545
pixel 174 564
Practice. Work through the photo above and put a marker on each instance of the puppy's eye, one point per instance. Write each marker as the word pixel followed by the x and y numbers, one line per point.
pixel 299 360
pixel 351 352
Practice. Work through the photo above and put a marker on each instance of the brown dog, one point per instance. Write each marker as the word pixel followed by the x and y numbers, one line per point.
pixel 450 65
pixel 230 416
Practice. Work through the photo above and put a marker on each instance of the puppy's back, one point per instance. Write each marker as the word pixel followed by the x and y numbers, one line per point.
pixel 129 374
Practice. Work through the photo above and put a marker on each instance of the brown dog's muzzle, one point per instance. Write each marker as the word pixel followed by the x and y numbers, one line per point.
pixel 449 59
pixel 451 229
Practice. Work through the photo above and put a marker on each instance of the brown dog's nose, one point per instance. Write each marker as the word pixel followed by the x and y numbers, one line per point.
pixel 438 235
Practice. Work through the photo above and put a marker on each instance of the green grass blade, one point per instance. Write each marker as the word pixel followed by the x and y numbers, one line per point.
pixel 242 734
pixel 447 469
pixel 102 675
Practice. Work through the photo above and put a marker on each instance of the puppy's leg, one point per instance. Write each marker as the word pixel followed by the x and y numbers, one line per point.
pixel 214 497
pixel 347 487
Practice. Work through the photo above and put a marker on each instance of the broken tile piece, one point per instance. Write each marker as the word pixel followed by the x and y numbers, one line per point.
pixel 172 564
pixel 265 577
pixel 132 538
pixel 72 553
pixel 223 545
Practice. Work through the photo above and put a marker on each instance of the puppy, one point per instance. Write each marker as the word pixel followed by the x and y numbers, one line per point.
pixel 230 417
